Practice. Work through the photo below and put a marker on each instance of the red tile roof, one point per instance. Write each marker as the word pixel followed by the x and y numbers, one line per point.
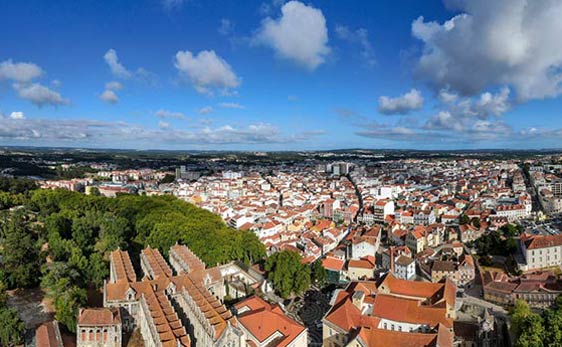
pixel 264 320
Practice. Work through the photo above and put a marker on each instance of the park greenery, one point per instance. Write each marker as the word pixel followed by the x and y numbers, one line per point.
pixel 531 329
pixel 61 240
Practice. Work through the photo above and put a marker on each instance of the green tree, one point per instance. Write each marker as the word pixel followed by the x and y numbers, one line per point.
pixel 518 313
pixel 318 273
pixel 20 253
pixel 464 219
pixel 287 273
pixel 532 332
pixel 67 305
pixel 12 328
pixel 553 327
pixel 97 271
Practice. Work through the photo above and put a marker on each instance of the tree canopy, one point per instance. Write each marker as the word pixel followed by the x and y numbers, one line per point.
pixel 287 273
pixel 63 239
pixel 533 330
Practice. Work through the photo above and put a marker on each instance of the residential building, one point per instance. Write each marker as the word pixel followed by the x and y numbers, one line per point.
pixel 266 325
pixel 98 327
pixel 541 251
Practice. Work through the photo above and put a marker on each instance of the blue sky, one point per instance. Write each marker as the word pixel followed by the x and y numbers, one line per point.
pixel 277 75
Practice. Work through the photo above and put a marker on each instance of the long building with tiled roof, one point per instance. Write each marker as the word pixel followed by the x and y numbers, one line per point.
pixel 163 327
pixel 121 267
pixel 153 264
pixel 147 303
pixel 183 260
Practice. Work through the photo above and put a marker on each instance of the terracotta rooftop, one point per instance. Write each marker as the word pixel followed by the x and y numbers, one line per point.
pixel 541 241
pixel 264 320
pixel 122 265
pixel 98 317
pixel 47 335
pixel 157 263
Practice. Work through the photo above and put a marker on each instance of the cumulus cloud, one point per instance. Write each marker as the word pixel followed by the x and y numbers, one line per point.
pixel 206 71
pixel 40 95
pixel 205 110
pixel 166 114
pixel 490 43
pixel 117 69
pixel 163 125
pixel 402 104
pixel 113 85
pixel 360 37
pixel 109 96
pixel 463 114
pixel 447 97
pixel 17 115
pixel 231 105
pixel 22 76
pixel 19 72
pixel 299 34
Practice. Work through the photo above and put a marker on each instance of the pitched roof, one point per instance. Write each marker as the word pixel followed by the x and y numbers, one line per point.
pixel 99 316
pixel 46 335
pixel 264 320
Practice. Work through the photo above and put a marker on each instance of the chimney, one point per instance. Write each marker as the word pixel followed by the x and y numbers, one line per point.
pixel 357 299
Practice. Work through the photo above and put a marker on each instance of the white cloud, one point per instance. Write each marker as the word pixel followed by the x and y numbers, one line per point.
pixel 231 105
pixel 360 37
pixel 447 97
pixel 113 85
pixel 206 71
pixel 94 133
pixel 112 60
pixel 109 96
pixel 17 115
pixel 19 72
pixel 502 42
pixel 172 4
pixel 165 114
pixel 403 104
pixel 300 34
pixel 205 110
pixel 226 27
pixel 463 114
pixel 39 95
pixel 56 83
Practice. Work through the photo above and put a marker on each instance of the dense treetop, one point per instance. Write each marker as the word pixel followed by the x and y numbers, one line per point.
pixel 62 240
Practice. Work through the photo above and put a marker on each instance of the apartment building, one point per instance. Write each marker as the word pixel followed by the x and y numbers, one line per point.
pixel 541 251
